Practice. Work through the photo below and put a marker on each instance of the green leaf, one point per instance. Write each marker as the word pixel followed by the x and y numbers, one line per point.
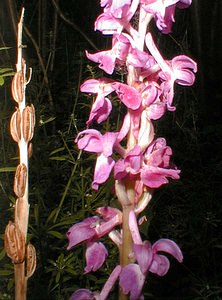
pixel 7 169
pixel 6 272
pixel 1 81
pixel 56 234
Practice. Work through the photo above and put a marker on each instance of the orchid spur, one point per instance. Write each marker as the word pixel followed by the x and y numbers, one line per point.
pixel 137 159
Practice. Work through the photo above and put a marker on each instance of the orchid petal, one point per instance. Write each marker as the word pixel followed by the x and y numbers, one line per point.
pixel 82 231
pixel 103 168
pixel 131 281
pixel 82 294
pixel 110 282
pixel 160 265
pixel 144 255
pixel 168 246
pixel 96 254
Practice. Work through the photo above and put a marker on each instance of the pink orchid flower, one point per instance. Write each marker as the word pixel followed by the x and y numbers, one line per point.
pixel 93 141
pixel 163 11
pixel 116 16
pixel 129 95
pixel 102 106
pixel 108 59
pixel 156 165
pixel 180 69
pixel 132 277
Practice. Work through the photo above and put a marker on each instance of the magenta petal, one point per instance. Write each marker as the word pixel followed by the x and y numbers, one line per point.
pixel 131 281
pixel 81 232
pixel 108 140
pixel 82 294
pixel 160 265
pixel 106 60
pixel 96 254
pixel 108 212
pixel 154 177
pixel 110 282
pixel 100 111
pixel 144 255
pixel 128 95
pixel 103 168
pixel 168 246
pixel 91 140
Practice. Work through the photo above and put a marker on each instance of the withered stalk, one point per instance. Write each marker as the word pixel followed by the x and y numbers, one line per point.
pixel 22 124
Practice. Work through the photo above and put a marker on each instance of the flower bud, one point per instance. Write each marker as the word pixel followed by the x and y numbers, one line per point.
pixel 15 125
pixel 18 87
pixel 30 260
pixel 28 122
pixel 20 180
pixel 14 243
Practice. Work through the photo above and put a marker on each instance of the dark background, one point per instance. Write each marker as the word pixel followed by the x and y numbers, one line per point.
pixel 188 211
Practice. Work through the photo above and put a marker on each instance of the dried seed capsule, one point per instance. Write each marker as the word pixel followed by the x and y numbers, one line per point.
pixel 30 150
pixel 14 243
pixel 15 125
pixel 30 260
pixel 18 87
pixel 28 122
pixel 20 180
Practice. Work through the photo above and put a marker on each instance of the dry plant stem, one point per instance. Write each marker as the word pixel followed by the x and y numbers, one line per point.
pixel 22 212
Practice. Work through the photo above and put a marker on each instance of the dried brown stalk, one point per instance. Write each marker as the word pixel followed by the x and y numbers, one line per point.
pixel 22 128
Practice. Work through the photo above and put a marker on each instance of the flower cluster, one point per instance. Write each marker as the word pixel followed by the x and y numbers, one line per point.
pixel 143 162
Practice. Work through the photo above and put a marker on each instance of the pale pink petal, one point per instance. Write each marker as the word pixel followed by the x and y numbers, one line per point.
pixel 133 226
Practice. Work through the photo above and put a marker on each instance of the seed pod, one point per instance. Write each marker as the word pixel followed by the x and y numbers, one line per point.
pixel 20 180
pixel 15 125
pixel 14 243
pixel 28 122
pixel 30 260
pixel 30 150
pixel 18 87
